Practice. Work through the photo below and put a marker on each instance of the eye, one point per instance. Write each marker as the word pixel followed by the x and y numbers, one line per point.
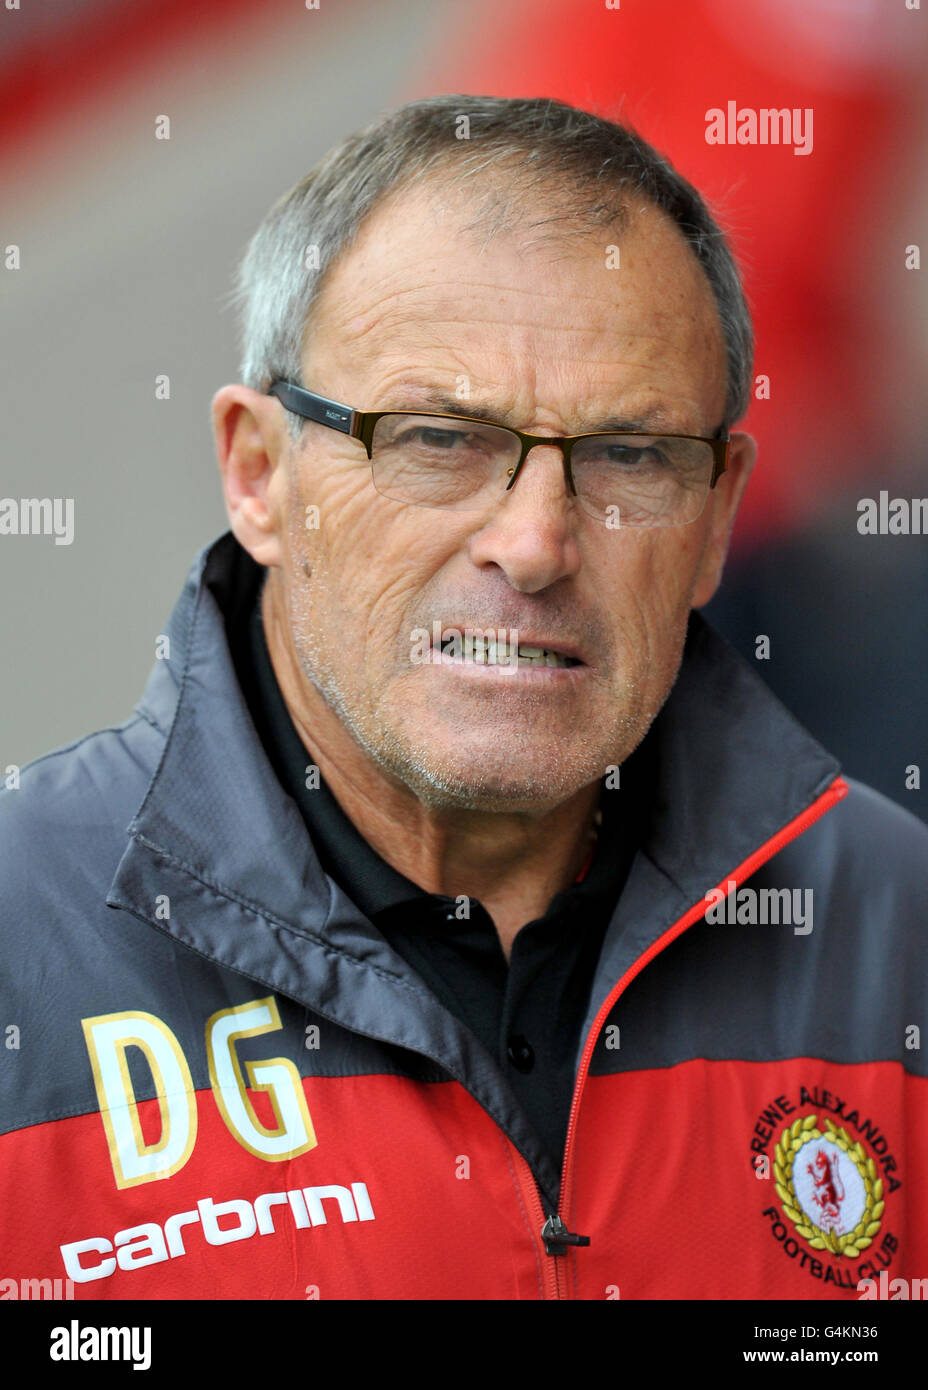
pixel 630 456
pixel 433 438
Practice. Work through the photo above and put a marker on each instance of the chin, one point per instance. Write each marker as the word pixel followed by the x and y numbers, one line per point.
pixel 498 779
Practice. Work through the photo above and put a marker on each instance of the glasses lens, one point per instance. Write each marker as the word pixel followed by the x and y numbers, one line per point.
pixel 436 461
pixel 638 480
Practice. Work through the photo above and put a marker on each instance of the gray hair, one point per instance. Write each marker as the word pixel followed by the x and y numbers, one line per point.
pixel 592 164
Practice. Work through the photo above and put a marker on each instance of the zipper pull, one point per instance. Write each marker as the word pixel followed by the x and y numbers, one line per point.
pixel 557 1237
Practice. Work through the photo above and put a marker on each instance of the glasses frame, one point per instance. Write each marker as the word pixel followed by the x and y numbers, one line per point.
pixel 360 425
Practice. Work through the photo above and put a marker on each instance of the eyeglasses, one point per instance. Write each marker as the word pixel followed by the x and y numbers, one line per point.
pixel 457 462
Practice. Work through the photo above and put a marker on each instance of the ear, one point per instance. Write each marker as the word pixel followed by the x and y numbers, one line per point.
pixel 251 446
pixel 722 506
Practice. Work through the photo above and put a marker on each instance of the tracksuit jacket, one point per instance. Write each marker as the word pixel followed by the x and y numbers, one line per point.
pixel 218 1081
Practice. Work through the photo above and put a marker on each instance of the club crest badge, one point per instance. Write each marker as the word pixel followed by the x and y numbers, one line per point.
pixel 828 1186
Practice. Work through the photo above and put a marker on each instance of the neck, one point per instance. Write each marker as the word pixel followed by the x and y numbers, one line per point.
pixel 513 863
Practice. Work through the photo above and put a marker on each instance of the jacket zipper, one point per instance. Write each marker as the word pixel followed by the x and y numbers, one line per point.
pixel 554 1272
pixel 552 1283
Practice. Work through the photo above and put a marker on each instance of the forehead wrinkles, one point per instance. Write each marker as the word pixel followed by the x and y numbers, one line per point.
pixel 405 246
pixel 407 292
pixel 456 290
pixel 435 308
pixel 437 318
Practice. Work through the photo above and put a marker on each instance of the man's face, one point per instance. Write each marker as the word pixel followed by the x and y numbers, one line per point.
pixel 551 341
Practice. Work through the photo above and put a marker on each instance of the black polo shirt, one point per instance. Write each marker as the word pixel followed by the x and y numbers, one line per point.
pixel 528 1012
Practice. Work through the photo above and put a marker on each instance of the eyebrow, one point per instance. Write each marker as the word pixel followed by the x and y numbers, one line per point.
pixel 427 400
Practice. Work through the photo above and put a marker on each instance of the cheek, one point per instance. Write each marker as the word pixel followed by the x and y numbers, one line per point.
pixel 648 594
pixel 654 573
pixel 675 557
pixel 328 529
pixel 359 573
pixel 318 551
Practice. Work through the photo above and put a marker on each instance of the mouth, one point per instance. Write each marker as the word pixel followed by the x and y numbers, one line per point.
pixel 464 647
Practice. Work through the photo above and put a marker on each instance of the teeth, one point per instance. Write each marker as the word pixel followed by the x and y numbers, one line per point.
pixel 540 656
pixel 489 653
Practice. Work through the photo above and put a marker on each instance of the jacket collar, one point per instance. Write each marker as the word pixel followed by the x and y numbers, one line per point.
pixel 217 833
pixel 733 768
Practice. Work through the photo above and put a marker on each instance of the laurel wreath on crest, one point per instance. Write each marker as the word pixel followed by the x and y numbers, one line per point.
pixel 788 1145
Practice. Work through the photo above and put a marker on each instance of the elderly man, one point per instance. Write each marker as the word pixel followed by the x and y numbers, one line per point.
pixel 458 916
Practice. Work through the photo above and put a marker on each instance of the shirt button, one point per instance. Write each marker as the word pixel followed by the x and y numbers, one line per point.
pixel 520 1053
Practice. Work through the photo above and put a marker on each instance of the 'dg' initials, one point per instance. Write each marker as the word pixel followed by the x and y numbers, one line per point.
pixel 107 1037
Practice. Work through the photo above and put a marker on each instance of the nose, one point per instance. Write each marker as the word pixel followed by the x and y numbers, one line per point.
pixel 530 533
pixel 515 473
